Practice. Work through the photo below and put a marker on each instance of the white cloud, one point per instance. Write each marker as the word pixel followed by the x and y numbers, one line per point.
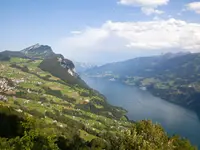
pixel 149 37
pixel 75 32
pixel 144 3
pixel 147 6
pixel 194 6
pixel 149 11
pixel 89 37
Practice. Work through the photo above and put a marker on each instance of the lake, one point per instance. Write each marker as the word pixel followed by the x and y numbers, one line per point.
pixel 142 105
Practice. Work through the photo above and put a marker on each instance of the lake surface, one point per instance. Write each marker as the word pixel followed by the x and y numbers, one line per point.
pixel 142 105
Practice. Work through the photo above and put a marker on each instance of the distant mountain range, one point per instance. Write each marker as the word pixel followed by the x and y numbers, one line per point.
pixel 144 66
pixel 173 77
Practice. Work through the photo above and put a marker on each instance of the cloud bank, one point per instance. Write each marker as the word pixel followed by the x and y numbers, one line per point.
pixel 149 11
pixel 194 6
pixel 146 3
pixel 148 7
pixel 148 37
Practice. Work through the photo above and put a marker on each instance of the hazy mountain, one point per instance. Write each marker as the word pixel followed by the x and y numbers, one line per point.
pixel 144 66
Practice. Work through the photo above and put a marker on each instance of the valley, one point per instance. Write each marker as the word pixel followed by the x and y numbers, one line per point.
pixel 141 105
pixel 99 75
pixel 172 77
pixel 45 104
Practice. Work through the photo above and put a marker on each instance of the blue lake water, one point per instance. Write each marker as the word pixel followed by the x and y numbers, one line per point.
pixel 142 105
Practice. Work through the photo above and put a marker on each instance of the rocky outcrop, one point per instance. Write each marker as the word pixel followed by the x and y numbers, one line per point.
pixel 68 65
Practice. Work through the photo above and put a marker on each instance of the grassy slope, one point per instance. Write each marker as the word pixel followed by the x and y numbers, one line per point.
pixel 52 111
pixel 45 101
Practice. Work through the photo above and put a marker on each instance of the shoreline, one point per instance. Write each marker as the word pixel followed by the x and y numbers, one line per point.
pixel 154 94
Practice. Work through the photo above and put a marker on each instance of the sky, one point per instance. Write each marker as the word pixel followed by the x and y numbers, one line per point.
pixel 101 31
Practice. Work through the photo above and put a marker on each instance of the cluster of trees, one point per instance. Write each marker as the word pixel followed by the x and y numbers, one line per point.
pixel 20 132
pixel 141 136
pixel 106 110
pixel 59 94
pixel 24 68
pixel 4 58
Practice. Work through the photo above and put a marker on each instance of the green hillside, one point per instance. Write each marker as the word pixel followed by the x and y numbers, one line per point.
pixel 42 107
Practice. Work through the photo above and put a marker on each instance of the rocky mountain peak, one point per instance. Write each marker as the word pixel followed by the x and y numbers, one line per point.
pixel 33 46
pixel 37 50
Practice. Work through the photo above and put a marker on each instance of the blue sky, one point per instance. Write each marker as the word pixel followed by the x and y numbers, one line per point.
pixel 96 30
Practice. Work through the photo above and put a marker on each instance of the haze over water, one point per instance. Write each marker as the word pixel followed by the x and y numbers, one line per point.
pixel 142 105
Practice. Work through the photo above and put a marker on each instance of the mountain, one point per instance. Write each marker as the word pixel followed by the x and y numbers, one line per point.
pixel 55 64
pixel 144 66
pixel 173 77
pixel 38 51
pixel 44 105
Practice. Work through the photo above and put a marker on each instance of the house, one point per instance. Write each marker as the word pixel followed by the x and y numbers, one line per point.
pixel 86 101
pixel 4 85
pixel 3 98
pixel 55 121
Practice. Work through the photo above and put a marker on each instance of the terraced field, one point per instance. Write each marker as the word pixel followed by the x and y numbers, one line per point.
pixel 38 93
